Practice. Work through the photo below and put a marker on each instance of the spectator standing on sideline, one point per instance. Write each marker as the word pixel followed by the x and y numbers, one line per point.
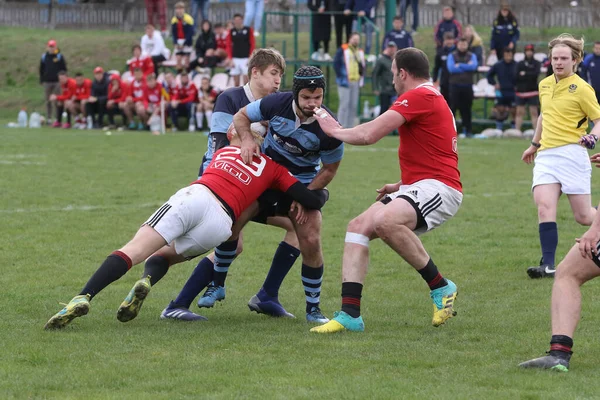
pixel 475 43
pixel 505 32
pixel 157 8
pixel 138 61
pixel 241 45
pixel 254 13
pixel 383 85
pixel 447 24
pixel 440 74
pixel 96 103
pixel 153 46
pixel 342 21
pixel 398 35
pixel 203 6
pixel 349 65
pixel 182 29
pixel 321 28
pixel 415 8
pixel 462 65
pixel 527 94
pixel 206 45
pixel 590 71
pixel 67 91
pixel 51 64
pixel 506 72
pixel 366 9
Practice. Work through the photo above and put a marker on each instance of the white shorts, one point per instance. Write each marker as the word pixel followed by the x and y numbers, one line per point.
pixel 568 165
pixel 434 202
pixel 193 220
pixel 240 67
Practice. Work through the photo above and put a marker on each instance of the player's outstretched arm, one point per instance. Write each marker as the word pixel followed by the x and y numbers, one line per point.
pixel 313 199
pixel 363 134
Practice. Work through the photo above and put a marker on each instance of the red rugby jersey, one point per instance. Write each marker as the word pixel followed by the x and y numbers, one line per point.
pixel 428 140
pixel 137 90
pixel 238 184
pixel 152 95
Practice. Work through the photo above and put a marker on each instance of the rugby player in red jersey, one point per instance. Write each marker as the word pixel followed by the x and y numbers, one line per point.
pixel 193 221
pixel 428 194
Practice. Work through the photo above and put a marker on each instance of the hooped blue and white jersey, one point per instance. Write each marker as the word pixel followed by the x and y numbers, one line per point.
pixel 228 103
pixel 300 147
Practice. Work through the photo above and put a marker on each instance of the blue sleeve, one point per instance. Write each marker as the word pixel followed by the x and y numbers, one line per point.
pixel 332 156
pixel 386 39
pixel 493 39
pixel 174 32
pixel 491 74
pixel 254 112
pixel 338 62
pixel 451 65
pixel 411 42
pixel 472 66
pixel 349 5
pixel 370 4
pixel 517 34
pixel 222 114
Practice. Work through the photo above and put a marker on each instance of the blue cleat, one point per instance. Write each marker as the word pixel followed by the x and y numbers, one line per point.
pixel 315 315
pixel 443 303
pixel 341 321
pixel 180 313
pixel 211 296
pixel 269 306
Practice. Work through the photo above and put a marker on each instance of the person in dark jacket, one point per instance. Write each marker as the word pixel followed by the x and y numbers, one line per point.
pixel 182 31
pixel 365 9
pixel 526 91
pixel 447 24
pixel 321 28
pixel 96 103
pixel 462 66
pixel 343 22
pixel 440 74
pixel 398 35
pixel 506 72
pixel 51 63
pixel 206 46
pixel 590 69
pixel 505 32
pixel 383 79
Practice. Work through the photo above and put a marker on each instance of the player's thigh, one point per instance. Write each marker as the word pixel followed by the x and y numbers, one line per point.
pixel 581 205
pixel 575 266
pixel 281 221
pixel 145 242
pixel 309 233
pixel 363 224
pixel 547 195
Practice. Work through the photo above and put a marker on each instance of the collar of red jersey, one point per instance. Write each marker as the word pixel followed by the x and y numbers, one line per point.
pixel 424 84
pixel 298 122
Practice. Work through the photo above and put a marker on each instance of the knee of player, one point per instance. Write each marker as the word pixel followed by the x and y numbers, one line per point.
pixel 584 218
pixel 360 225
pixel 310 243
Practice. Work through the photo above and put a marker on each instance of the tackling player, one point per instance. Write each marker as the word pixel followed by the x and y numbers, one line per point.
pixel 562 164
pixel 428 194
pixel 194 220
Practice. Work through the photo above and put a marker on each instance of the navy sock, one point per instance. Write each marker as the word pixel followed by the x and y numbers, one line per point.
pixel 312 279
pixel 351 294
pixel 200 278
pixel 549 241
pixel 115 266
pixel 431 275
pixel 156 267
pixel 283 261
pixel 224 256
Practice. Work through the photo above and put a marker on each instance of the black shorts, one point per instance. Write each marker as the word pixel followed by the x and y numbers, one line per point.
pixel 527 101
pixel 272 203
pixel 507 101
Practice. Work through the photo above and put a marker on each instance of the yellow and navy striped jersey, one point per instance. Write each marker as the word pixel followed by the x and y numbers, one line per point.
pixel 566 106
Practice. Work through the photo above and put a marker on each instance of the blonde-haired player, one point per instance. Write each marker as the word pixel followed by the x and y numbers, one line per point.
pixel 562 164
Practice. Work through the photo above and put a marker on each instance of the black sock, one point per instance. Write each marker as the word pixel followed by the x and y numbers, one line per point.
pixel 312 278
pixel 59 113
pixel 549 241
pixel 560 346
pixel 156 267
pixel 69 117
pixel 351 294
pixel 225 253
pixel 431 275
pixel 115 266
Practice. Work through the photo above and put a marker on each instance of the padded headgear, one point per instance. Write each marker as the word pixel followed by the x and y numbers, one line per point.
pixel 307 77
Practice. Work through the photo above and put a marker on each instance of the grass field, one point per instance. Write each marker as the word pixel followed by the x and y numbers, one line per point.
pixel 69 198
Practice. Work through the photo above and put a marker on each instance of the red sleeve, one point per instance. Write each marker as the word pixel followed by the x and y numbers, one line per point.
pixel 192 95
pixel 252 41
pixel 131 64
pixel 229 46
pixel 87 90
pixel 136 99
pixel 69 92
pixel 148 66
pixel 125 92
pixel 282 179
pixel 412 105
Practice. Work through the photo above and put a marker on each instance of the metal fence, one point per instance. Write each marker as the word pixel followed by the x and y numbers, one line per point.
pixel 130 15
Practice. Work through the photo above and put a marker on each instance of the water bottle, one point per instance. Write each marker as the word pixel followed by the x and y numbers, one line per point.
pixel 90 122
pixel 154 124
pixel 366 109
pixel 22 119
pixel 192 127
pixel 35 120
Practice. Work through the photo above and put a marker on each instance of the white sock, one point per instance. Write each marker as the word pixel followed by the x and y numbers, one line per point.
pixel 208 117
pixel 199 119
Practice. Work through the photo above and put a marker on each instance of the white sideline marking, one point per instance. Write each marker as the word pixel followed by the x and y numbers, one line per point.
pixel 78 208
pixel 20 159
pixel 10 162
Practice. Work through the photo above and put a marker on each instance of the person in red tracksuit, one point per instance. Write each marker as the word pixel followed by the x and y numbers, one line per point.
pixel 150 106
pixel 117 94
pixel 187 95
pixel 76 105
pixel 137 61
pixel 67 86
